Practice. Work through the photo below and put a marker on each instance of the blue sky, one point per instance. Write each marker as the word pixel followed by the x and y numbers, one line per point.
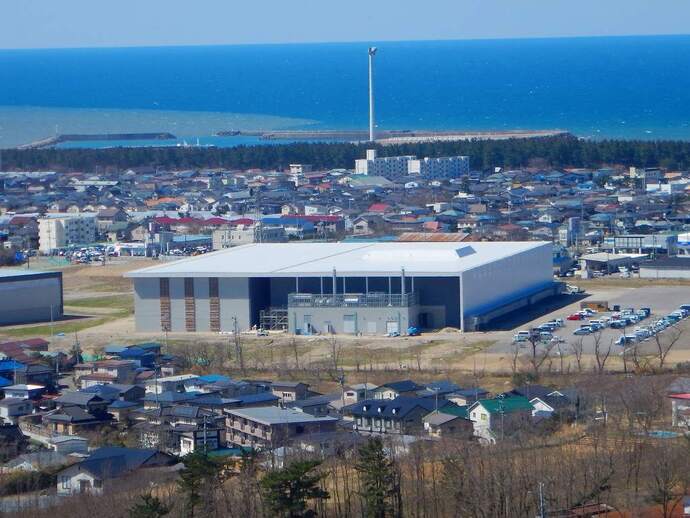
pixel 96 23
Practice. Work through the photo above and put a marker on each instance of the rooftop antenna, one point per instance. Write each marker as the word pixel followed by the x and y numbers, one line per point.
pixel 372 53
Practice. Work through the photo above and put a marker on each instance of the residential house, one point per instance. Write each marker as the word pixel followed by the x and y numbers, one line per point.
pixel 106 464
pixel 177 383
pixel 11 409
pixel 37 461
pixel 319 406
pixel 400 415
pixel 290 390
pixel 23 391
pixel 396 389
pixel 358 392
pixel 35 374
pixel 467 396
pixel 450 422
pixel 496 418
pixel 103 372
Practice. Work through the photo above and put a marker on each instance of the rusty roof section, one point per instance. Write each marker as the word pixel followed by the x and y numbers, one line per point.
pixel 436 237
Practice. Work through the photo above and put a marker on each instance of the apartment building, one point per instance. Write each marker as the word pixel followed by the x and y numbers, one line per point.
pixel 390 167
pixel 441 168
pixel 56 233
pixel 272 427
pixel 394 167
pixel 247 234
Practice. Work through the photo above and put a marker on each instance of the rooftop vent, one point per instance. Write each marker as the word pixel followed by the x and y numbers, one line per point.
pixel 418 254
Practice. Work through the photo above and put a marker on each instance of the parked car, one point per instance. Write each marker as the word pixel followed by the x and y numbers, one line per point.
pixel 575 316
pixel 642 333
pixel 617 324
pixel 521 336
pixel 550 327
pixel 413 331
pixel 625 340
pixel 584 330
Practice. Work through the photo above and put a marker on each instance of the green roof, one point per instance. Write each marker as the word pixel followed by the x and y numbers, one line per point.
pixel 229 452
pixel 506 404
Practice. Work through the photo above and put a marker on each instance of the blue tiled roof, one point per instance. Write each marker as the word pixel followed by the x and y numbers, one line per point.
pixel 402 386
pixel 122 404
pixel 214 378
pixel 10 365
pixel 4 382
pixel 395 408
pixel 257 398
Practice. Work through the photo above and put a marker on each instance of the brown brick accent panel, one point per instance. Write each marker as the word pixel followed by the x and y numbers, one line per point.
pixel 214 302
pixel 189 305
pixel 165 304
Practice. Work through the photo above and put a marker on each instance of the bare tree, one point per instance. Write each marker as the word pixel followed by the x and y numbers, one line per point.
pixel 538 353
pixel 515 354
pixel 578 348
pixel 601 353
pixel 665 342
pixel 334 369
pixel 295 351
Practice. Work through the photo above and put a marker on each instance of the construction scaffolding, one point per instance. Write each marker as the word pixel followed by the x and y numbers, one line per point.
pixel 273 319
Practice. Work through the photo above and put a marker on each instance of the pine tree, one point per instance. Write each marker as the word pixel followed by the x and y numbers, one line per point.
pixel 199 479
pixel 287 491
pixel 378 479
pixel 149 507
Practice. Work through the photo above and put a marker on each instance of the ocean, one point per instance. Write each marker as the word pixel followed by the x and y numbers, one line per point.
pixel 618 87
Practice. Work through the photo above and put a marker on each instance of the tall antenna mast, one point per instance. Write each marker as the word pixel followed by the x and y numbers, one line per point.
pixel 372 53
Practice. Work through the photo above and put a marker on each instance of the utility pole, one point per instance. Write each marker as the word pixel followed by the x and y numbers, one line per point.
pixel 238 344
pixel 51 323
pixel 372 53
pixel 541 500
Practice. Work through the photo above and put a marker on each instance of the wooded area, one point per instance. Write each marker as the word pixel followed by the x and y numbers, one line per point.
pixel 561 151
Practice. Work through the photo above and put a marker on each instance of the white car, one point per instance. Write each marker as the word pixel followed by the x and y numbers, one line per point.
pixel 521 336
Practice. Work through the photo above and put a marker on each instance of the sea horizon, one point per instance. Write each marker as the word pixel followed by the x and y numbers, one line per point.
pixel 632 87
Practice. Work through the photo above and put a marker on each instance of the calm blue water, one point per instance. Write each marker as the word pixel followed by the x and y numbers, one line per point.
pixel 615 87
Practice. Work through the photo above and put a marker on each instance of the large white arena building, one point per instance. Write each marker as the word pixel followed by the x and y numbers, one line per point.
pixel 357 288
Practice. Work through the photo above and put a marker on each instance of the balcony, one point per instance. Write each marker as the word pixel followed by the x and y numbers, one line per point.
pixel 353 300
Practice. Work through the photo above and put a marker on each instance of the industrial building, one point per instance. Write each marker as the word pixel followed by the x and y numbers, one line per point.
pixel 653 244
pixel 666 268
pixel 355 288
pixel 27 296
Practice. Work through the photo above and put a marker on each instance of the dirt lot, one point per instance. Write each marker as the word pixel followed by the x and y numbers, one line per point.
pixel 99 310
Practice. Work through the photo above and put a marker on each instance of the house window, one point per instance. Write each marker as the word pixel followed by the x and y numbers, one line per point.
pixel 97 483
pixel 484 416
pixel 65 482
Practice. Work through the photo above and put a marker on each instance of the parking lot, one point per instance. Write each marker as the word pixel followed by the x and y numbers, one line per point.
pixel 662 300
